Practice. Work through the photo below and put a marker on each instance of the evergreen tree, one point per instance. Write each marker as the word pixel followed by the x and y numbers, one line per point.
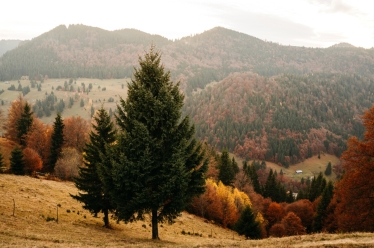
pixel 24 124
pixel 158 166
pixel 252 173
pixel 316 187
pixel 57 141
pixel 235 165
pixel 270 185
pixel 82 103
pixel 290 197
pixel 247 224
pixel 327 195
pixel 328 170
pixel 226 171
pixel 17 164
pixel 274 189
pixel 95 199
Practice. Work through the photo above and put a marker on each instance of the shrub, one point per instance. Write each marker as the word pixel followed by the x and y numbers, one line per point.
pixel 67 165
pixel 277 230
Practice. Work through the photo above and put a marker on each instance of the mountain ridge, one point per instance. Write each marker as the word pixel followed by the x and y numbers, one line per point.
pixel 83 51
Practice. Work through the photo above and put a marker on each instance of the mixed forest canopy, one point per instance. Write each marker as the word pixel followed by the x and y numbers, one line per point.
pixel 275 103
pixel 149 160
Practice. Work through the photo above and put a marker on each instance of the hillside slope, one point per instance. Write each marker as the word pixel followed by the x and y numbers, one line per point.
pixel 36 201
pixel 284 119
pixel 83 51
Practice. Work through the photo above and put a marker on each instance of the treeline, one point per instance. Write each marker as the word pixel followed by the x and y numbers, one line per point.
pixel 285 119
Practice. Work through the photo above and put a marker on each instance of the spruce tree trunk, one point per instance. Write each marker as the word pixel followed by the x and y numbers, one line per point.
pixel 106 218
pixel 154 224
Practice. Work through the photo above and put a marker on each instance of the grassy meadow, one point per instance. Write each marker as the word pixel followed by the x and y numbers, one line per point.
pixel 34 224
pixel 96 97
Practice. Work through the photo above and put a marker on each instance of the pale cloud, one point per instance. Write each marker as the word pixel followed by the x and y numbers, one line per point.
pixel 290 22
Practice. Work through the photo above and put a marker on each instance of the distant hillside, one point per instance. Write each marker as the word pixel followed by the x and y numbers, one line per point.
pixel 82 51
pixel 343 45
pixel 7 45
pixel 284 119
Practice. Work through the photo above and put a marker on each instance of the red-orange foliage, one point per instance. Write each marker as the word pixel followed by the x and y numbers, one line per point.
pixel 274 213
pixel 39 139
pixel 32 160
pixel 14 114
pixel 304 210
pixel 277 230
pixel 293 225
pixel 355 192
pixel 76 132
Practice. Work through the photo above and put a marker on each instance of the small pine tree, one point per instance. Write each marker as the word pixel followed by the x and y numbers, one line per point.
pixel 82 103
pixel 17 164
pixel 247 224
pixel 57 141
pixel 327 195
pixel 290 198
pixel 226 171
pixel 328 170
pixel 235 165
pixel 95 198
pixel 24 123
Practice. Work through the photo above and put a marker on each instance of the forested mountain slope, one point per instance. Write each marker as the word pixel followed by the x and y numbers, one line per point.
pixel 273 102
pixel 82 51
pixel 283 119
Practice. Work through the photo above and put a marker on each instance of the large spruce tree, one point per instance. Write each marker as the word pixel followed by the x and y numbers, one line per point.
pixel 57 141
pixel 158 166
pixel 95 198
pixel 17 164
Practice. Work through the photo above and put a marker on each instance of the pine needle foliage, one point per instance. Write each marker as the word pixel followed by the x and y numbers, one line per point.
pixel 158 166
pixel 247 224
pixel 89 181
pixel 57 140
pixel 17 163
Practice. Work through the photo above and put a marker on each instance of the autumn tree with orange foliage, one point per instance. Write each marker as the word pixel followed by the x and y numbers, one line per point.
pixel 277 230
pixel 2 119
pixel 274 214
pixel 33 162
pixel 355 192
pixel 39 139
pixel 292 224
pixel 10 126
pixel 76 132
pixel 304 210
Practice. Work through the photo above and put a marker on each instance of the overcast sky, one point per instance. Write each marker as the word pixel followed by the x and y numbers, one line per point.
pixel 311 23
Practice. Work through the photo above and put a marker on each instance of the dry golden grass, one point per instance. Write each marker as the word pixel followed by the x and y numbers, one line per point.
pixel 37 199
